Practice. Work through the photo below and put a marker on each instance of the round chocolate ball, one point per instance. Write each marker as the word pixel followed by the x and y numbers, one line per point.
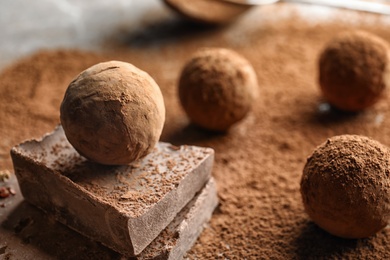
pixel 345 186
pixel 217 88
pixel 113 113
pixel 354 70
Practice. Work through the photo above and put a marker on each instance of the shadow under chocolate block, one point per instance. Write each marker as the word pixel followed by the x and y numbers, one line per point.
pixel 123 207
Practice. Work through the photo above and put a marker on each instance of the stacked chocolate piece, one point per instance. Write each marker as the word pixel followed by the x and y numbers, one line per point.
pixel 156 207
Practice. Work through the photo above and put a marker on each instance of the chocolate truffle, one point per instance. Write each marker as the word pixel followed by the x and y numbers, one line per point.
pixel 353 70
pixel 345 186
pixel 113 113
pixel 217 88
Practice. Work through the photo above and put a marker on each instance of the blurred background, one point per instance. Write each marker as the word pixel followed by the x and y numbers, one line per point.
pixel 29 26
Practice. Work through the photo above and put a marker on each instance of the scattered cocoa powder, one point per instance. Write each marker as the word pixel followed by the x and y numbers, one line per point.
pixel 258 164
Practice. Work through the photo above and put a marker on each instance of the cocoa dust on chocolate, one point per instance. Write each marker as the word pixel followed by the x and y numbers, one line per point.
pixel 259 163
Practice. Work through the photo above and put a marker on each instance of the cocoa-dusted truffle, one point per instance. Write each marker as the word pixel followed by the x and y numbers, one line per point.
pixel 113 113
pixel 354 70
pixel 217 88
pixel 345 186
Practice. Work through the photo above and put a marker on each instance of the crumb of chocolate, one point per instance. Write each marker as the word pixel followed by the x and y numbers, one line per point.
pixel 217 88
pixel 345 186
pixel 113 113
pixel 5 192
pixel 5 175
pixel 11 191
pixel 174 147
pixel 354 70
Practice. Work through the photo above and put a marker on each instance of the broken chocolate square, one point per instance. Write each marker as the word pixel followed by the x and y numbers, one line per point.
pixel 183 231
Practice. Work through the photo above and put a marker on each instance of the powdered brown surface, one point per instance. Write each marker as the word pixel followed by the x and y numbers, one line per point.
pixel 259 162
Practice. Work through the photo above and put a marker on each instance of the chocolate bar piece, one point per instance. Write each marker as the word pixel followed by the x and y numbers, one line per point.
pixel 123 207
pixel 183 231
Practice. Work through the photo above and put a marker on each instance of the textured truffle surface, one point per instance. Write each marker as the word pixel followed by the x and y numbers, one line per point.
pixel 354 70
pixel 217 88
pixel 113 113
pixel 345 186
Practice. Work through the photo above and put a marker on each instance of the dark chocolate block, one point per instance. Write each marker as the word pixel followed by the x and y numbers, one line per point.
pixel 183 231
pixel 123 207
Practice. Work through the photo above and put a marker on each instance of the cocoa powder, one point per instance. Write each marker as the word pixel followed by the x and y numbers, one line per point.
pixel 259 162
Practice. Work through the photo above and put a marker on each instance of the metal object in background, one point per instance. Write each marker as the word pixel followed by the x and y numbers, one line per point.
pixel 358 5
